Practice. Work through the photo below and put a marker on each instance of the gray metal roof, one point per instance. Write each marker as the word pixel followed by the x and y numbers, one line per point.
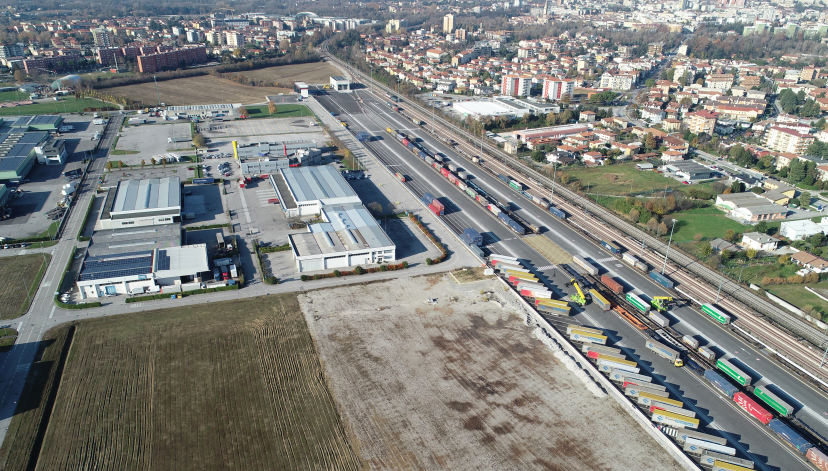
pixel 138 195
pixel 351 228
pixel 317 184
pixel 115 241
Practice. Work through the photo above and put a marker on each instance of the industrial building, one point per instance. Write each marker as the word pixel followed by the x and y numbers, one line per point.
pixel 348 236
pixel 340 83
pixel 509 107
pixel 135 203
pixel 223 110
pixel 689 170
pixel 51 152
pixel 551 132
pixel 18 153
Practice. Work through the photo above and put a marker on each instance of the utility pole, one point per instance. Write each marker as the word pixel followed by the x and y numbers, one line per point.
pixel 668 247
pixel 157 93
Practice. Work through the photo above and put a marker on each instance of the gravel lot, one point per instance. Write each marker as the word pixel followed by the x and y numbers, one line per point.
pixel 462 384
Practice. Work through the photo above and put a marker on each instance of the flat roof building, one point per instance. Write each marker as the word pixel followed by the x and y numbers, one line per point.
pixel 304 190
pixel 142 203
pixel 17 153
pixel 218 110
pixel 690 170
pixel 340 83
pixel 553 132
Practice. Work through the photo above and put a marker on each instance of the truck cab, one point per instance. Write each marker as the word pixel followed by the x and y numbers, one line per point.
pixel 678 363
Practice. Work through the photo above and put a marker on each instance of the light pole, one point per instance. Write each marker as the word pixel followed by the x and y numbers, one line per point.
pixel 720 289
pixel 668 247
pixel 157 93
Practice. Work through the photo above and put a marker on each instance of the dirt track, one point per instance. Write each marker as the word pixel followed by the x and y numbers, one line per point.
pixel 462 384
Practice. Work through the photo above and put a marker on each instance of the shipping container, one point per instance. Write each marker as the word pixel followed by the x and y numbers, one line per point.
pixel 438 204
pixel 452 167
pixel 673 409
pixel 405 142
pixel 661 279
pixel 517 277
pixel 579 336
pixel 435 210
pixel 493 208
pixel 707 354
pixel 731 370
pixel 595 354
pixel 477 250
pixel 633 390
pixel 600 300
pixel 715 313
pixel 506 267
pixel 428 196
pixel 470 191
pixel 557 212
pixel 504 258
pixel 709 458
pixel 571 327
pixel 613 285
pixel 774 401
pixel 627 365
pixel 473 236
pixel 445 172
pixel 429 161
pixel 675 420
pixel 400 177
pixel 697 447
pixel 638 303
pixel 725 466
pixel 662 350
pixel 659 319
pixel 437 165
pixel 558 310
pixel 503 217
pixel 481 199
pixel 690 342
pixel 789 436
pixel 516 227
pixel 516 185
pixel 629 258
pixel 438 158
pixel 621 375
pixel 588 267
pixel 422 155
pixel 462 174
pixel 400 136
pixel 461 185
pixel 683 435
pixel 611 247
pixel 721 383
pixel 818 458
pixel 752 408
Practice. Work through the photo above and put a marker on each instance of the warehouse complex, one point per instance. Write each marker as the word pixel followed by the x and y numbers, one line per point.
pixel 348 236
pixel 137 246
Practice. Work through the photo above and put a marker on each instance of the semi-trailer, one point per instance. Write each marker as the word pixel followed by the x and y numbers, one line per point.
pixel 661 279
pixel 608 365
pixel 622 375
pixel 554 309
pixel 697 447
pixel 675 420
pixel 638 303
pixel 600 300
pixel 772 400
pixel 588 267
pixel 731 370
pixel 752 408
pixel 721 383
pixel 789 436
pixel 663 351
pixel 709 458
pixel 633 390
pixel 579 336
pixel 646 399
pixel 557 212
pixel 611 247
pixel 602 349
pixel 674 410
pixel 634 262
pixel 716 314
pixel 683 435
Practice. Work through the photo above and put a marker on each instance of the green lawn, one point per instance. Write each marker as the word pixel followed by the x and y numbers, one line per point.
pixel 14 96
pixel 124 152
pixel 709 222
pixel 622 180
pixel 798 296
pixel 282 111
pixel 66 105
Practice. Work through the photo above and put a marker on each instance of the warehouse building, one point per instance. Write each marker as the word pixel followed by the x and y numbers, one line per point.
pixel 689 170
pixel 136 203
pixel 218 110
pixel 268 157
pixel 18 154
pixel 348 236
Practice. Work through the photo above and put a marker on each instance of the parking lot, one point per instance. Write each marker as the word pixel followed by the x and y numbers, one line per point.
pixel 151 140
pixel 257 127
pixel 204 203
pixel 30 213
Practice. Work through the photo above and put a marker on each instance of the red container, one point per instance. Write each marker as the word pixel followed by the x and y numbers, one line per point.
pixel 445 172
pixel 400 177
pixel 438 165
pixel 613 285
pixel 438 204
pixel 481 199
pixel 655 408
pixel 273 201
pixel 452 178
pixel 752 408
pixel 435 210
pixel 595 355
pixel 818 458
pixel 526 292
pixel 405 142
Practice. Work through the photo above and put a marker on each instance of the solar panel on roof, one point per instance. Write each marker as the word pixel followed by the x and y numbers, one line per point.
pixel 163 260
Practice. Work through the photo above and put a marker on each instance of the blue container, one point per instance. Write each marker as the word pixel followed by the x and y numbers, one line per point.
pixel 477 251
pixel 428 196
pixel 517 227
pixel 789 436
pixel 426 200
pixel 721 383
pixel 472 237
pixel 695 367
pixel 503 177
pixel 558 212
pixel 410 145
pixel 611 247
pixel 422 155
pixel 503 217
pixel 661 279
pixel 202 180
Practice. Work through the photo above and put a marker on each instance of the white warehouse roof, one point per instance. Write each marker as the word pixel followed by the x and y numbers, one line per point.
pixel 324 184
pixel 134 196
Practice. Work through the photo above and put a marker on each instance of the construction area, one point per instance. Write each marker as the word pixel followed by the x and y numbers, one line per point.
pixel 441 372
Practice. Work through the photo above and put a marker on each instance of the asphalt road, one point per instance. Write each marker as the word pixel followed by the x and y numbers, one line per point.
pixel 719 414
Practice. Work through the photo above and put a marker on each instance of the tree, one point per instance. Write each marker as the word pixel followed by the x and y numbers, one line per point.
pixel 375 208
pixel 700 82
pixel 730 234
pixel 706 249
pixel 649 83
pixel 650 141
pixel 19 76
pixel 736 187
pixel 805 199
pixel 538 156
pixel 762 227
pixel 817 240
pixel 108 165
pixel 751 253
pixel 243 113
pixel 143 162
pixel 271 107
pixel 199 140
pixel 796 172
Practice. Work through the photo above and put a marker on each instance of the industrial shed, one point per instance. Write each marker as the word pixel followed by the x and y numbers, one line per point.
pixel 142 203
pixel 304 190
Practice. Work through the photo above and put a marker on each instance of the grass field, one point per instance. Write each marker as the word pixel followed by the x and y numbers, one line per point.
pixel 282 111
pixel 201 90
pixel 14 96
pixel 21 276
pixel 66 104
pixel 235 385
pixel 311 73
pixel 621 180
pixel 799 296
pixel 709 222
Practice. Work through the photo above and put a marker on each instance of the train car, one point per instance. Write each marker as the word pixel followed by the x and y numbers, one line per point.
pixel 638 303
pixel 557 212
pixel 600 300
pixel 613 285
pixel 818 458
pixel 772 400
pixel 661 279
pixel 752 408
pixel 789 436
pixel 721 383
pixel 588 267
pixel 516 185
pixel 731 370
pixel 716 314
pixel 631 260
pixel 611 247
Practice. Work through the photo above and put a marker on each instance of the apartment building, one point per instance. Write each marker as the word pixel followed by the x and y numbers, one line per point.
pixel 655 49
pixel 216 38
pixel 12 50
pixel 702 121
pixel 151 63
pixel 556 89
pixel 787 140
pixel 719 81
pixel 448 23
pixel 515 85
pixel 624 82
pixel 102 37
pixel 234 39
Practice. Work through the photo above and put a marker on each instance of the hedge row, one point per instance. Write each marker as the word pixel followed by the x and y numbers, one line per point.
pixel 137 299
pixel 278 248
pixel 63 305
pixel 358 270
pixel 268 280
pixel 432 238
pixel 204 228
pixel 85 218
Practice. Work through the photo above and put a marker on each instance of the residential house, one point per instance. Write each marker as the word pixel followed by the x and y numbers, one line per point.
pixel 654 115
pixel 671 124
pixel 799 230
pixel 593 158
pixel 809 261
pixel 759 241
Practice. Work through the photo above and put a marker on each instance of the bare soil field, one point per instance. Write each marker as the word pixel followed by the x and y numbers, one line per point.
pixel 201 90
pixel 310 73
pixel 462 384
pixel 21 276
pixel 234 385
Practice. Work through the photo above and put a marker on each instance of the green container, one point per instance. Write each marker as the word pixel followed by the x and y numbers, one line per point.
pixel 733 372
pixel 774 401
